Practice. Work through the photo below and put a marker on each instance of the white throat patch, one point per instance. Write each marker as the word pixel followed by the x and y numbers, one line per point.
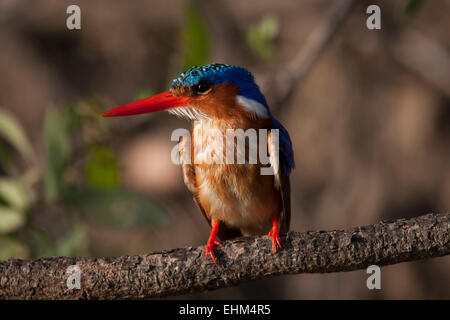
pixel 187 112
pixel 253 106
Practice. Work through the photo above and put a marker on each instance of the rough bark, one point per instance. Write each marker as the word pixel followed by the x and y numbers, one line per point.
pixel 185 270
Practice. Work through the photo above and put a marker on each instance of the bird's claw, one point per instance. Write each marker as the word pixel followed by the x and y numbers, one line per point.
pixel 212 240
pixel 275 238
pixel 209 249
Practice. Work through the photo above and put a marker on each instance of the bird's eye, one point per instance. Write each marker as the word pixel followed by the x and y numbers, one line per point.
pixel 201 88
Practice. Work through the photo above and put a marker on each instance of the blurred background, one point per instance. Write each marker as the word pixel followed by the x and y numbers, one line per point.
pixel 369 121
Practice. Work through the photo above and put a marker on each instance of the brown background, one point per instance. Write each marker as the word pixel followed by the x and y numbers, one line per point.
pixel 371 134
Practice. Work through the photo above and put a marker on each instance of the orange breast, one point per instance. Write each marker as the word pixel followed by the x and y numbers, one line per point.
pixel 236 194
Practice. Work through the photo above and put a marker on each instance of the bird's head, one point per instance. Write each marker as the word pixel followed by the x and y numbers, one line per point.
pixel 217 91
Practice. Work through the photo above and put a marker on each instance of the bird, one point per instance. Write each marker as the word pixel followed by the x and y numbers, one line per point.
pixel 236 199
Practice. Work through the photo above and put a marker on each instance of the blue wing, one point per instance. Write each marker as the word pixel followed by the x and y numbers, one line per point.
pixel 287 162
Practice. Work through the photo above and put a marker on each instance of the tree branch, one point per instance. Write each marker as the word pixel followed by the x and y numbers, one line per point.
pixel 185 270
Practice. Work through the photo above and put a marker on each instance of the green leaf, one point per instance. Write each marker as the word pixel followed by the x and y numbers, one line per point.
pixel 13 133
pixel 412 6
pixel 115 207
pixel 196 38
pixel 57 151
pixel 101 167
pixel 73 244
pixel 260 37
pixel 12 248
pixel 40 244
pixel 10 220
pixel 15 194
pixel 5 158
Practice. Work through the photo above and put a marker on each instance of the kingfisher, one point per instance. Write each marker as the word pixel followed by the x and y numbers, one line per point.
pixel 234 198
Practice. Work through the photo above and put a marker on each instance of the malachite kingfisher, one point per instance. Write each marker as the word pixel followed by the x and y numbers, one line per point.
pixel 235 199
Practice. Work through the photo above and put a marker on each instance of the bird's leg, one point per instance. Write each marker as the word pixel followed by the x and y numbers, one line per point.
pixel 212 240
pixel 274 234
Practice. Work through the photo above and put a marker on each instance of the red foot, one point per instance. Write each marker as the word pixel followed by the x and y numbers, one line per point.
pixel 274 234
pixel 212 240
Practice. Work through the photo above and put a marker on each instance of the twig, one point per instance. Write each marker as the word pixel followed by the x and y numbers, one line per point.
pixel 288 79
pixel 185 270
pixel 424 56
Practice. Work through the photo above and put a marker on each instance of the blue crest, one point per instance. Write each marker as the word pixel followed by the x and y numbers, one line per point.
pixel 222 73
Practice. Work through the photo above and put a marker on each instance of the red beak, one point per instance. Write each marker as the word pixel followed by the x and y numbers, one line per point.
pixel 154 103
